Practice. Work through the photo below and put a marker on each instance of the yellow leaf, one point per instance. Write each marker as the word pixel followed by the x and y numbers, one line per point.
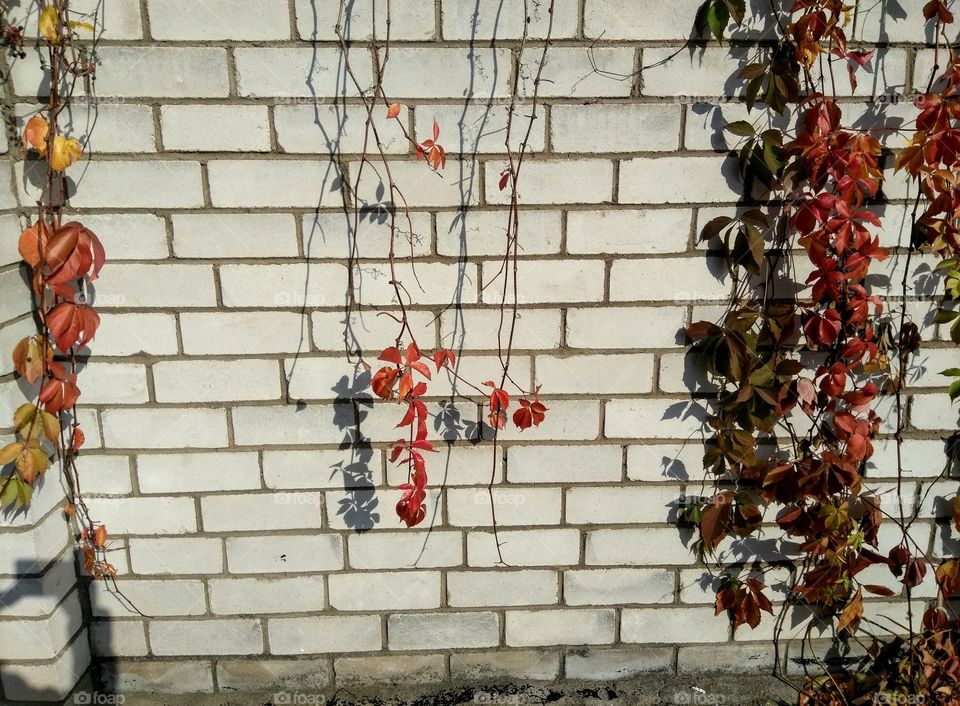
pixel 10 452
pixel 48 23
pixel 73 24
pixel 35 134
pixel 32 463
pixel 65 152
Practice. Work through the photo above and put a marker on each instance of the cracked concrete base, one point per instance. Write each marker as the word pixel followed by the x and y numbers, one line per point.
pixel 694 690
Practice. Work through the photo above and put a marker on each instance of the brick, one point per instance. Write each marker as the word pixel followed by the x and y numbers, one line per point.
pixel 557 182
pixel 443 72
pixel 481 129
pixel 617 586
pixel 119 128
pixel 216 380
pixel 600 664
pixel 155 598
pixel 106 184
pixel 215 128
pixel 205 637
pixel 236 596
pixel 564 464
pixel 514 664
pixel 180 555
pixel 623 505
pixel 580 72
pixel 738 659
pixel 399 550
pixel 122 335
pixel 932 412
pixel 656 180
pixel 480 233
pixel 308 469
pixel 617 19
pixel 570 420
pixel 907 24
pixel 279 72
pixel 261 511
pixel 541 547
pixel 612 547
pixel 583 281
pixel 357 509
pixel 475 589
pixel 354 633
pixel 289 553
pixel 182 428
pixel 154 286
pixel 249 333
pixel 625 231
pixel 392 669
pixel 463 465
pixel 259 426
pixel 195 676
pixel 469 329
pixel 39 596
pixel 599 374
pixel 18 304
pixel 413 20
pixel 560 627
pixel 437 631
pixel 124 21
pixel 704 126
pixel 618 327
pixel 366 330
pixel 228 235
pixel 269 184
pixel 45 637
pixel 921 458
pixel 30 551
pixel 143 71
pixel 118 638
pixel 662 462
pixel 461 191
pixel 218 19
pixel 107 475
pixel 396 590
pixel 51 681
pixel 331 235
pixel 9 253
pixel 672 625
pixel 341 129
pixel 686 279
pixel 247 675
pixel 114 383
pixel 156 515
pixel 198 472
pixel 468 19
pixel 604 128
pixel 470 507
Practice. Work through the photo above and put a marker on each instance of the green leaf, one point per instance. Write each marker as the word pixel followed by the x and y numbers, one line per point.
pixel 951 372
pixel 16 494
pixel 753 90
pixel 955 331
pixel 954 390
pixel 718 16
pixel 713 228
pixel 741 128
pixel 944 316
pixel 756 217
pixel 947 264
pixel 737 9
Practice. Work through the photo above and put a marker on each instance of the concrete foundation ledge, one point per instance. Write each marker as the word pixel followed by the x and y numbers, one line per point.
pixel 649 690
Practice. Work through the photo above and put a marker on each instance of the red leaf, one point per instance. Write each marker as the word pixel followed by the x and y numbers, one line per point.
pixel 444 357
pixel 391 355
pixel 382 382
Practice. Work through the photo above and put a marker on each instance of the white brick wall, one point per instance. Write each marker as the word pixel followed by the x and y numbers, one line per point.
pixel 234 453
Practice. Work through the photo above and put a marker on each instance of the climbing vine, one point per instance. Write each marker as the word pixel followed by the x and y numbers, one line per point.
pixel 406 375
pixel 800 376
pixel 64 258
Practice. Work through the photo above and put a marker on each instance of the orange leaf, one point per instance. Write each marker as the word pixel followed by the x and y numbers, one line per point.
pixel 851 615
pixel 30 357
pixel 382 382
pixel 393 111
pixel 32 240
pixel 35 134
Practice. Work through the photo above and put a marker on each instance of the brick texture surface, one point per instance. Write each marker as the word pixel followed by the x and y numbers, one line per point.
pixel 234 452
